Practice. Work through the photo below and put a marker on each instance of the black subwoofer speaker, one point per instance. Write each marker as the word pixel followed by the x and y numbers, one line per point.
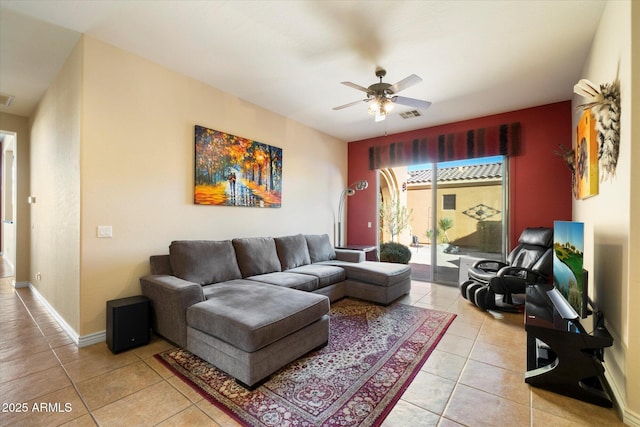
pixel 127 323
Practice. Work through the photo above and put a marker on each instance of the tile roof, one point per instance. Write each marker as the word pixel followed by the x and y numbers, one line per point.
pixel 457 173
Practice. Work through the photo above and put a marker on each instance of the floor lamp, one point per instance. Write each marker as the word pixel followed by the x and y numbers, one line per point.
pixel 349 191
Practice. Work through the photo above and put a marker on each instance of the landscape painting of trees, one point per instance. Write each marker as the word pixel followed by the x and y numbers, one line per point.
pixel 235 171
pixel 568 258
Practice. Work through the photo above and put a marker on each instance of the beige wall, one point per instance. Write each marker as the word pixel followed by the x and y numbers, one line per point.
pixel 55 182
pixel 612 219
pixel 633 297
pixel 112 143
pixel 137 169
pixel 20 228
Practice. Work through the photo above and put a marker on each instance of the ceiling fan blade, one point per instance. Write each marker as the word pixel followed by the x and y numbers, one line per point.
pixel 405 83
pixel 350 104
pixel 355 86
pixel 411 102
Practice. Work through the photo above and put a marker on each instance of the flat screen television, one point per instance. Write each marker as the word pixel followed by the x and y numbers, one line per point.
pixel 569 276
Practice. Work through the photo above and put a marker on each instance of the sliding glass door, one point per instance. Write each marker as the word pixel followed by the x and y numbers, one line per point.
pixel 457 209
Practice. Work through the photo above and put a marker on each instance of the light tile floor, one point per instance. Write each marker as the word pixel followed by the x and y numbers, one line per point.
pixel 475 376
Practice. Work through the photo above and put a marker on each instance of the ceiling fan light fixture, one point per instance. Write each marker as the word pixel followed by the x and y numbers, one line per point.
pixel 387 106
pixel 380 106
pixel 382 97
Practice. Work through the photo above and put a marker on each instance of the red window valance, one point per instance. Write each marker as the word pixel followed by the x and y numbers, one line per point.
pixel 474 143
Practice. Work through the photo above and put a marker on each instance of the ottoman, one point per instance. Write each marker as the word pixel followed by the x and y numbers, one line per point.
pixel 250 330
pixel 379 282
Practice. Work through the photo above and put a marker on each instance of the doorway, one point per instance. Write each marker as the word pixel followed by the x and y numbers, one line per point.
pixel 8 204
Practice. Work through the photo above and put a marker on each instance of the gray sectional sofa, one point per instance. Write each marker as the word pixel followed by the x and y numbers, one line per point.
pixel 250 306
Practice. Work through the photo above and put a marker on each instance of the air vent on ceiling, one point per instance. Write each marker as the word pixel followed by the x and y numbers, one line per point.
pixel 5 99
pixel 410 114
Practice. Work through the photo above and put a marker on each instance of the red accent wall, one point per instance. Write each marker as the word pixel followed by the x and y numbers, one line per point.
pixel 540 181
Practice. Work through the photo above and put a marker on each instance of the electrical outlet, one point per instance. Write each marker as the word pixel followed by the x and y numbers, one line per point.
pixel 38 276
pixel 369 224
pixel 105 231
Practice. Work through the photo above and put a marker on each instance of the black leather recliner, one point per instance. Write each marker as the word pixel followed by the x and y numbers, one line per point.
pixel 492 284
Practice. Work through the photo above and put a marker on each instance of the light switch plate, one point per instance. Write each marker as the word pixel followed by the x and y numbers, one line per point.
pixel 105 231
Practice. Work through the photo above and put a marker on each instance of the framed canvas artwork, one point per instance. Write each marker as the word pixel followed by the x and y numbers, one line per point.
pixel 586 158
pixel 235 171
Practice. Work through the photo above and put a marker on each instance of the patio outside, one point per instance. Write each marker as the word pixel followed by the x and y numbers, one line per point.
pixel 448 264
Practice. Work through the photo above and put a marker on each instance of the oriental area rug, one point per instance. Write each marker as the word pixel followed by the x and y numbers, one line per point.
pixel 373 354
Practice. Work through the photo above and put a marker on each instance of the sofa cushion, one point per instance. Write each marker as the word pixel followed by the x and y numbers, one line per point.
pixel 302 282
pixel 160 264
pixel 203 261
pixel 327 274
pixel 251 315
pixel 320 247
pixel 256 255
pixel 373 272
pixel 210 291
pixel 292 251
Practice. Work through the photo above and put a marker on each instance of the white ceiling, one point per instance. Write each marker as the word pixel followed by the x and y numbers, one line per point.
pixel 476 57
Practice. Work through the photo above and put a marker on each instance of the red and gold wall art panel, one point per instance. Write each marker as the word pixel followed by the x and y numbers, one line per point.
pixel 586 158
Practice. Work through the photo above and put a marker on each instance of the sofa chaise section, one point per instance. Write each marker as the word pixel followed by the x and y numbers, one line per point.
pixel 252 333
pixel 379 282
pixel 180 279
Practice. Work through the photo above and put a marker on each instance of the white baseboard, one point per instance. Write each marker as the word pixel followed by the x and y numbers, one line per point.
pixel 79 341
pixel 631 418
pixel 628 417
pixel 91 339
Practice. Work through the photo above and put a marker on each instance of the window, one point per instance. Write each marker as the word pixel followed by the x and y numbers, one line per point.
pixel 449 202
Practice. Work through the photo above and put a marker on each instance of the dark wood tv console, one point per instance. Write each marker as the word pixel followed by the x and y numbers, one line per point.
pixel 561 356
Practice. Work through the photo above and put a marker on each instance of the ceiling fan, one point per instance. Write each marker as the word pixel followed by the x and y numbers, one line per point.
pixel 382 96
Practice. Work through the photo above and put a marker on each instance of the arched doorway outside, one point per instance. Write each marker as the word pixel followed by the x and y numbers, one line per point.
pixel 393 185
pixel 393 195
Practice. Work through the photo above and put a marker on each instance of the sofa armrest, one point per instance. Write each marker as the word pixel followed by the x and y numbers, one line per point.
pixel 491 265
pixel 349 255
pixel 170 297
